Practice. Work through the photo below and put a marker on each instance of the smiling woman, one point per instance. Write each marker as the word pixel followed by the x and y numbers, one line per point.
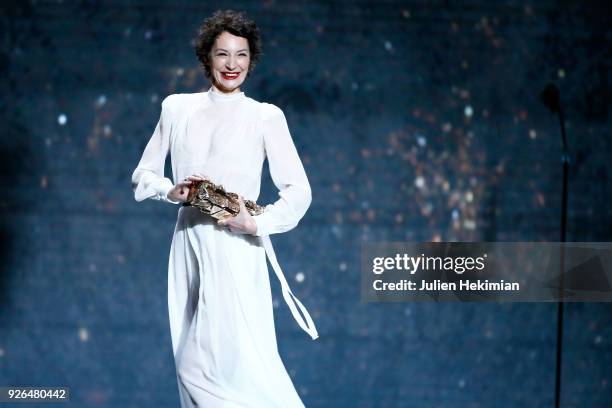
pixel 219 298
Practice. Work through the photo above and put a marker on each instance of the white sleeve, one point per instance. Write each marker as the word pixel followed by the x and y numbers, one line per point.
pixel 287 174
pixel 148 179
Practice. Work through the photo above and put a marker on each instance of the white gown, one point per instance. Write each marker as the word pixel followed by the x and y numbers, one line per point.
pixel 219 297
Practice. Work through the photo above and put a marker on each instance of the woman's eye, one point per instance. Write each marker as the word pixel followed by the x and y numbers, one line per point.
pixel 224 55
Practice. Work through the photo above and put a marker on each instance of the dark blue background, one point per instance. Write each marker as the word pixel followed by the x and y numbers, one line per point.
pixel 416 121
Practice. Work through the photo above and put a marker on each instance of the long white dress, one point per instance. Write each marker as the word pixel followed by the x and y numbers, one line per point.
pixel 219 297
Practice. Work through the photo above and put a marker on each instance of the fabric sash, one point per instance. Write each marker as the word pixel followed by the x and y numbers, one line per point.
pixel 293 302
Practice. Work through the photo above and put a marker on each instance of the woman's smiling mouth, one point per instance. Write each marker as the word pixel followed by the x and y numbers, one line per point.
pixel 230 75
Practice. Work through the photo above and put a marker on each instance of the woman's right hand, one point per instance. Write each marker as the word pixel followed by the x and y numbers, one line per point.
pixel 180 191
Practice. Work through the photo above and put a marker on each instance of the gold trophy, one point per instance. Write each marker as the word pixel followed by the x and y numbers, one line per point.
pixel 212 199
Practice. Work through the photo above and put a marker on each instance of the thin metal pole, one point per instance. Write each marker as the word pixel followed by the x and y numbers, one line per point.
pixel 565 160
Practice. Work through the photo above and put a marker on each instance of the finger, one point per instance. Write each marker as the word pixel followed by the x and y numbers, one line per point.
pixel 243 210
pixel 223 221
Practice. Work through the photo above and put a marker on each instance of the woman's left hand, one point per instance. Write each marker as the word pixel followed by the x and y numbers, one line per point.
pixel 241 223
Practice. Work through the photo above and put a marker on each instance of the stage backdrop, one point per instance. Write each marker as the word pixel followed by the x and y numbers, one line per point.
pixel 416 121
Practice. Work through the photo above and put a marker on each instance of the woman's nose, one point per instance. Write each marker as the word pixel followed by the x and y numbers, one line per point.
pixel 231 63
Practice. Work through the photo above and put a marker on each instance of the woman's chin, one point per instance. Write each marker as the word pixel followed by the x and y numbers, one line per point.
pixel 228 85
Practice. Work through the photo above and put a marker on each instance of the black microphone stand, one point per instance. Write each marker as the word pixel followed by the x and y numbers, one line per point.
pixel 550 97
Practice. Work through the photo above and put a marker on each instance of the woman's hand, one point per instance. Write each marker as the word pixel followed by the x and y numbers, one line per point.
pixel 180 191
pixel 242 223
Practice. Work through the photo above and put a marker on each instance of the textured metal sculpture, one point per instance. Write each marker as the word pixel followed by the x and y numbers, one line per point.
pixel 212 199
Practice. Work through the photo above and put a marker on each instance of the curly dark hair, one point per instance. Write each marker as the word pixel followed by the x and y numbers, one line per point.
pixel 233 22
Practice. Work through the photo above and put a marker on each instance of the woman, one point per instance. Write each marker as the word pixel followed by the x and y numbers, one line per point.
pixel 219 299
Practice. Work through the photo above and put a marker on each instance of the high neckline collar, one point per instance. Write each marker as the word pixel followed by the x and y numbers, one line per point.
pixel 221 97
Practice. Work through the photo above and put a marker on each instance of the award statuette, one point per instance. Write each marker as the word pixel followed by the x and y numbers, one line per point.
pixel 212 199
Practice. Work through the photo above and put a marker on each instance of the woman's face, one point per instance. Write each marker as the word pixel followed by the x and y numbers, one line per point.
pixel 230 58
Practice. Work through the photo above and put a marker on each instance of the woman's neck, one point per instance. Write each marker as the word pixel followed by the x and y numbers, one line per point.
pixel 224 90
